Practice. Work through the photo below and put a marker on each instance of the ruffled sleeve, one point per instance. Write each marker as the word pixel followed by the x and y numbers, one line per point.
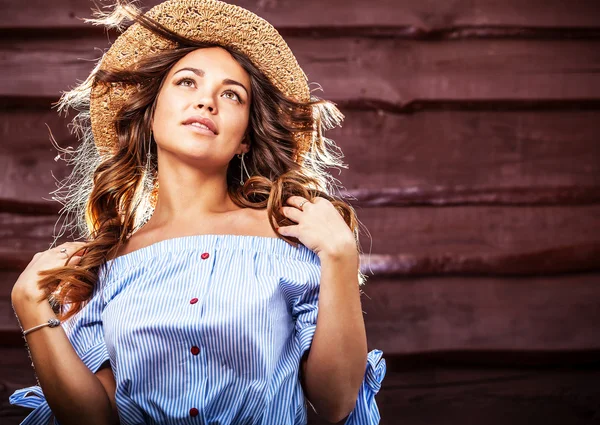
pixel 366 412
pixel 306 309
pixel 304 312
pixel 86 334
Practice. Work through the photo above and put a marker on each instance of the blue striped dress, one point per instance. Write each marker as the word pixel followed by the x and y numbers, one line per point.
pixel 206 329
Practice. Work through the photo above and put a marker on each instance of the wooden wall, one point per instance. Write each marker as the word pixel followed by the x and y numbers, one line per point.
pixel 472 136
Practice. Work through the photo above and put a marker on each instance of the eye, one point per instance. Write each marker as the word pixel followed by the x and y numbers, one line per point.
pixel 237 96
pixel 185 80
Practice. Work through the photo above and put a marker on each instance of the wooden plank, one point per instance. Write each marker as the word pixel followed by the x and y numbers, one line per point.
pixel 8 319
pixel 556 313
pixel 480 231
pixel 420 15
pixel 28 161
pixel 448 314
pixel 423 233
pixel 582 257
pixel 566 259
pixel 27 233
pixel 449 396
pixel 487 150
pixel 430 158
pixel 421 240
pixel 432 394
pixel 450 196
pixel 390 74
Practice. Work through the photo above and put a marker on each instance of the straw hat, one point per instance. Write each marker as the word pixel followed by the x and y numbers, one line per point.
pixel 210 21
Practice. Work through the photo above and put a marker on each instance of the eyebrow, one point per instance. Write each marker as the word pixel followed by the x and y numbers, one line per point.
pixel 201 73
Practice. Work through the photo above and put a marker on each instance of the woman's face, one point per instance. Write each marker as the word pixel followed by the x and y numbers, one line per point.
pixel 206 84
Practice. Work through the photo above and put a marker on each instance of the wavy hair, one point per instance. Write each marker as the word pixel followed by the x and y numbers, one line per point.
pixel 106 196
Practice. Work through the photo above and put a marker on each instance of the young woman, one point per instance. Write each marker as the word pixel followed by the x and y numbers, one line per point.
pixel 218 279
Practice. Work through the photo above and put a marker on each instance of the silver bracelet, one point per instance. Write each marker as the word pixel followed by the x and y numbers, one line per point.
pixel 51 322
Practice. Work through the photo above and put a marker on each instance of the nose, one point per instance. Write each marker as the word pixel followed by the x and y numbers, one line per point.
pixel 207 106
pixel 207 102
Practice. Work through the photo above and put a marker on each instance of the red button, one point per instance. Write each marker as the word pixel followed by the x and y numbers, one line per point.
pixel 204 256
pixel 193 300
pixel 194 411
pixel 195 350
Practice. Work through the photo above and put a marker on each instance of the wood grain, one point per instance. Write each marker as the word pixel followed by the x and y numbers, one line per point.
pixel 471 134
pixel 413 14
pixel 554 313
pixel 456 235
pixel 432 158
pixel 392 74
pixel 454 314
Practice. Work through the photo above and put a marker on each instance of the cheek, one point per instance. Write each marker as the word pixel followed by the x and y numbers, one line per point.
pixel 165 114
pixel 241 123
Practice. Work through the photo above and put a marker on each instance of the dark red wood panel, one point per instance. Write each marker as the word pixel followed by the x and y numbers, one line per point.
pixel 391 73
pixel 457 235
pixel 477 230
pixel 554 313
pixel 485 150
pixel 433 157
pixel 424 15
pixel 471 134
pixel 446 314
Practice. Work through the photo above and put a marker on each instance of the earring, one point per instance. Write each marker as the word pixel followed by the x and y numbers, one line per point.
pixel 142 214
pixel 148 173
pixel 242 169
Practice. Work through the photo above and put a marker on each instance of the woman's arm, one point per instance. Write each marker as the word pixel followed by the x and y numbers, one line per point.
pixel 337 360
pixel 72 391
pixel 334 370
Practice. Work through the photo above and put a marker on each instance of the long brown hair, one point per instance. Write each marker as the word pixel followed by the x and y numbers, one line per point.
pixel 111 206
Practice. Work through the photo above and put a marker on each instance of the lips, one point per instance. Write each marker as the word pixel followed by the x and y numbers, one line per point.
pixel 197 119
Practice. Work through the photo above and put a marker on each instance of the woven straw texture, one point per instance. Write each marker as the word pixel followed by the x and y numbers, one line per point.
pixel 199 20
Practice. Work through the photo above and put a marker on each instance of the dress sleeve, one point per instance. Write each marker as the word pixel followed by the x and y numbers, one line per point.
pixel 306 306
pixel 365 411
pixel 304 312
pixel 86 334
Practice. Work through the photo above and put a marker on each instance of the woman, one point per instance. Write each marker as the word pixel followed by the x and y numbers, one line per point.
pixel 228 293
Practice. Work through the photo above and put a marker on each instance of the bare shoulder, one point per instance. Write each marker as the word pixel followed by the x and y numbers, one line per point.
pixel 245 221
pixel 256 223
pixel 141 238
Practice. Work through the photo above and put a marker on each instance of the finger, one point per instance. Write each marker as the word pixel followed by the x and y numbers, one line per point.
pixel 296 201
pixel 81 251
pixel 75 259
pixel 291 231
pixel 292 213
pixel 72 244
pixel 71 247
pixel 62 250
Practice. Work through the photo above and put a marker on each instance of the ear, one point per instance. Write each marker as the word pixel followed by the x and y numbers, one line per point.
pixel 244 147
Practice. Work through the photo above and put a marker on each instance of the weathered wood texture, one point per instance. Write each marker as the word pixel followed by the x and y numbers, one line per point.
pixel 482 313
pixel 471 134
pixel 430 158
pixel 445 314
pixel 426 394
pixel 444 237
pixel 415 16
pixel 383 72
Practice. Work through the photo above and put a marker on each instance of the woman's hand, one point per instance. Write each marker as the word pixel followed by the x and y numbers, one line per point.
pixel 320 227
pixel 27 286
